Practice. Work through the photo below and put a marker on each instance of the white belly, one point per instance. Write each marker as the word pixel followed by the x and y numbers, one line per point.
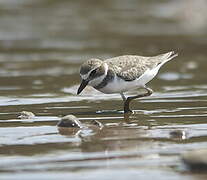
pixel 118 85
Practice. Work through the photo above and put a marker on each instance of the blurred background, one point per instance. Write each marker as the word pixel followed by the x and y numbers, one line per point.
pixel 43 42
pixel 42 45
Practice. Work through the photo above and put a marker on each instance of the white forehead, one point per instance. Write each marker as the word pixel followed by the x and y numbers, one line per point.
pixel 85 76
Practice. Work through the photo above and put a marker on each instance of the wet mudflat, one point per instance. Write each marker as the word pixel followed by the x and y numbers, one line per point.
pixel 43 43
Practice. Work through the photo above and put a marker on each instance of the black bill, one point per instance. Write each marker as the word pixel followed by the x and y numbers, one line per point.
pixel 82 86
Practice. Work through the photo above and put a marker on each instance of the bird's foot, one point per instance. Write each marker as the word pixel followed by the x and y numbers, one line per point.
pixel 129 99
pixel 128 111
pixel 126 106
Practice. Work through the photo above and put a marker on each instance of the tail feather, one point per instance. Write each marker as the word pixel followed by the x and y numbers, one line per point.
pixel 163 58
pixel 172 54
pixel 168 56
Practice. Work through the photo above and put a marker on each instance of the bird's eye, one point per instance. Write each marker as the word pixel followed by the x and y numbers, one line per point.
pixel 93 72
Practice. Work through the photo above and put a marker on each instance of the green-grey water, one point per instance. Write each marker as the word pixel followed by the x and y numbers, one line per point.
pixel 42 45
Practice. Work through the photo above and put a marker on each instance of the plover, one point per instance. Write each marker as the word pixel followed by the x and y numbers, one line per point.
pixel 122 73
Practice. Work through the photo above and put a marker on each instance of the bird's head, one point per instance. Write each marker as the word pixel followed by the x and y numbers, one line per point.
pixel 92 73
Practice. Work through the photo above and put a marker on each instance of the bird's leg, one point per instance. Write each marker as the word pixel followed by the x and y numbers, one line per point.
pixel 123 97
pixel 129 99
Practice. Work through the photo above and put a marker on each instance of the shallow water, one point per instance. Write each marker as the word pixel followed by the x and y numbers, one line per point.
pixel 43 43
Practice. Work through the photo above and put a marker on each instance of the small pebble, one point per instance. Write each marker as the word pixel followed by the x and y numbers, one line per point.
pixel 26 115
pixel 70 121
pixel 178 134
pixel 70 125
pixel 196 160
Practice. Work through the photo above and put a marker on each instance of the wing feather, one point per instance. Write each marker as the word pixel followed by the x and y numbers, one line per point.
pixel 130 67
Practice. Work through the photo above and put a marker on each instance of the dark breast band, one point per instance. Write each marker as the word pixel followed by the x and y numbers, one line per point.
pixel 109 77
